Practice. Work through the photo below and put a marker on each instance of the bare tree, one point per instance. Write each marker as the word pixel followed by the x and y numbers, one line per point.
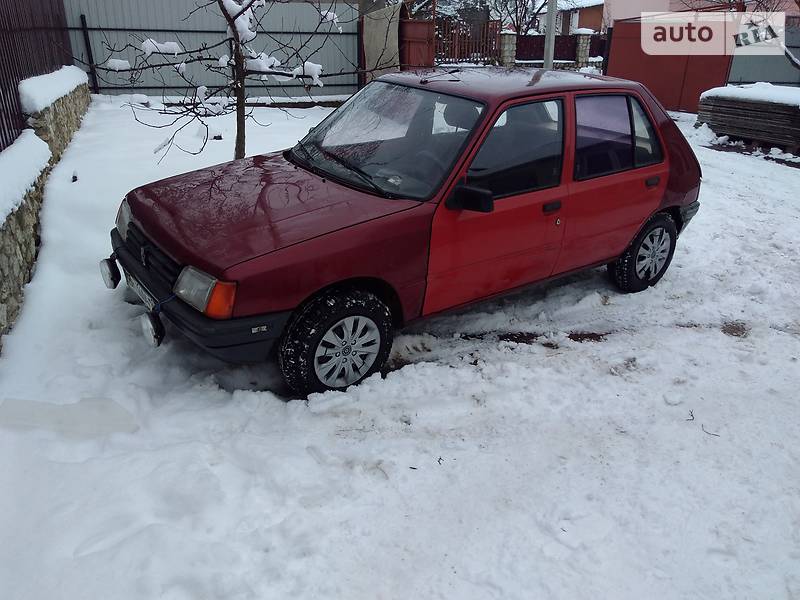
pixel 245 40
pixel 751 5
pixel 521 14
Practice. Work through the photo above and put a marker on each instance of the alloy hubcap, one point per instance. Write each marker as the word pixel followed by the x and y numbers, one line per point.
pixel 653 253
pixel 347 351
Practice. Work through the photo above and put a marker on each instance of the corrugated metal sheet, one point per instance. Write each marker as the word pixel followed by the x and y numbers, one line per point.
pixel 774 69
pixel 291 32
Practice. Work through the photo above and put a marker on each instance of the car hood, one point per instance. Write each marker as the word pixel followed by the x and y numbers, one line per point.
pixel 217 217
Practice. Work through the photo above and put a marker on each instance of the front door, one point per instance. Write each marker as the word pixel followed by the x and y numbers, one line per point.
pixel 474 255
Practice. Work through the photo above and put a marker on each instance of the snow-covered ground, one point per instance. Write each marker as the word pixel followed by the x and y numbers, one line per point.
pixel 658 458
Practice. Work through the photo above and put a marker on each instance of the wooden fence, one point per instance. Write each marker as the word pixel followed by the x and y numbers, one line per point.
pixel 457 41
pixel 33 41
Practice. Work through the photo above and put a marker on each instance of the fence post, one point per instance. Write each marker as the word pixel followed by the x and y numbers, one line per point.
pixel 508 48
pixel 582 50
pixel 87 42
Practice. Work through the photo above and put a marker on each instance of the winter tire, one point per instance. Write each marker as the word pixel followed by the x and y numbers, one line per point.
pixel 337 340
pixel 648 257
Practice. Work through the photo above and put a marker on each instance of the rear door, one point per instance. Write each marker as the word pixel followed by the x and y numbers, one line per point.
pixel 619 178
pixel 521 160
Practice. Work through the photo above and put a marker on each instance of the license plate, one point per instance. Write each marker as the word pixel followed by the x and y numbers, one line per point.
pixel 141 291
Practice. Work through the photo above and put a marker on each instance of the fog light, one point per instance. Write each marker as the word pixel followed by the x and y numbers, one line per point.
pixel 152 328
pixel 110 273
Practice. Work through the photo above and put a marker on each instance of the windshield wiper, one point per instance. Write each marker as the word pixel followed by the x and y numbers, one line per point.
pixel 363 175
pixel 308 159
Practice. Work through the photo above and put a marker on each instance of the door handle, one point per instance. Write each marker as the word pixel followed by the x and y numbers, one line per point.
pixel 551 207
pixel 653 181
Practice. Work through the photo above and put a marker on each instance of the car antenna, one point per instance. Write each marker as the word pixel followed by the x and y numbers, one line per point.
pixel 425 80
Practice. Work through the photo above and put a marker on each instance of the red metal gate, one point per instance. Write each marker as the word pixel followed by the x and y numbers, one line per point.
pixel 677 81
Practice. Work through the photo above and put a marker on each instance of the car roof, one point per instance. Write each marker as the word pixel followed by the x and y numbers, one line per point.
pixel 495 84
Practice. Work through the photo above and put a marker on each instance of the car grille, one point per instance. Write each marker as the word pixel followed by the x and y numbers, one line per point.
pixel 155 260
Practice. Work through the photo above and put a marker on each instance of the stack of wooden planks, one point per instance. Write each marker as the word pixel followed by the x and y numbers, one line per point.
pixel 770 123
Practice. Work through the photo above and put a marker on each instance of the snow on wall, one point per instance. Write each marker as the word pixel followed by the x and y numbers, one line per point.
pixel 757 92
pixel 37 93
pixel 20 166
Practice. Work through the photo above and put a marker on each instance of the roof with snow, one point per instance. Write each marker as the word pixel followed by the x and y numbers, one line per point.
pixel 573 4
pixel 495 84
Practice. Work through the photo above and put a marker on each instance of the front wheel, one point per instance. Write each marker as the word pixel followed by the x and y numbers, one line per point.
pixel 337 340
pixel 646 260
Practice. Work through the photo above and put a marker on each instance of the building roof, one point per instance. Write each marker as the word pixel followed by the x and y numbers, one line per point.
pixel 495 84
pixel 572 4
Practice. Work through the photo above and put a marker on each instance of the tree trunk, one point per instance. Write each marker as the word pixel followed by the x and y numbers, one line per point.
pixel 239 91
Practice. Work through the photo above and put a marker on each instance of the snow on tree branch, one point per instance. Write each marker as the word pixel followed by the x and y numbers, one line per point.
pixel 243 18
pixel 251 54
pixel 328 16
pixel 118 64
pixel 150 47
pixel 262 63
pixel 309 69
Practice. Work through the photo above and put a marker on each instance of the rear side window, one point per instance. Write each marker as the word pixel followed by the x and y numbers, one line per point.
pixel 523 151
pixel 648 148
pixel 613 134
pixel 603 142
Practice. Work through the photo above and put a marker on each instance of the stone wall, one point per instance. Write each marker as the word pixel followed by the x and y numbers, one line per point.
pixel 19 244
pixel 57 123
pixel 19 233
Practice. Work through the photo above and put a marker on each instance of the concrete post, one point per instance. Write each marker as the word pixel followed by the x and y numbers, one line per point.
pixel 508 49
pixel 550 32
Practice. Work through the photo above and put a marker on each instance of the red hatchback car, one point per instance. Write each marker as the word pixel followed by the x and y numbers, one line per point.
pixel 422 193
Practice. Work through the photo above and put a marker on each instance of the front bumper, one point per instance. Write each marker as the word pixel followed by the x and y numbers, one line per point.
pixel 240 340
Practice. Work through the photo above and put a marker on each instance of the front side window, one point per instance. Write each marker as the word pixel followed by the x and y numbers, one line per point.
pixel 613 134
pixel 523 151
pixel 393 140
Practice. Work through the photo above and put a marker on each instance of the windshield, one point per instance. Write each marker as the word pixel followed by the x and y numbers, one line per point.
pixel 391 140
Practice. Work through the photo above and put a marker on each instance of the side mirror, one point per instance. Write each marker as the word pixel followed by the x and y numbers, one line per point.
pixel 467 197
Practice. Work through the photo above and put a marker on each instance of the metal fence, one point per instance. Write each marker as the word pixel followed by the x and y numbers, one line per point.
pixel 531 47
pixel 96 27
pixel 32 42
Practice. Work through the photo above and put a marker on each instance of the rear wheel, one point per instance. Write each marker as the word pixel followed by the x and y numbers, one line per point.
pixel 648 257
pixel 338 339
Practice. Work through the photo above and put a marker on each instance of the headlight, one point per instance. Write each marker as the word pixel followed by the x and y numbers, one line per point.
pixel 123 219
pixel 205 293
